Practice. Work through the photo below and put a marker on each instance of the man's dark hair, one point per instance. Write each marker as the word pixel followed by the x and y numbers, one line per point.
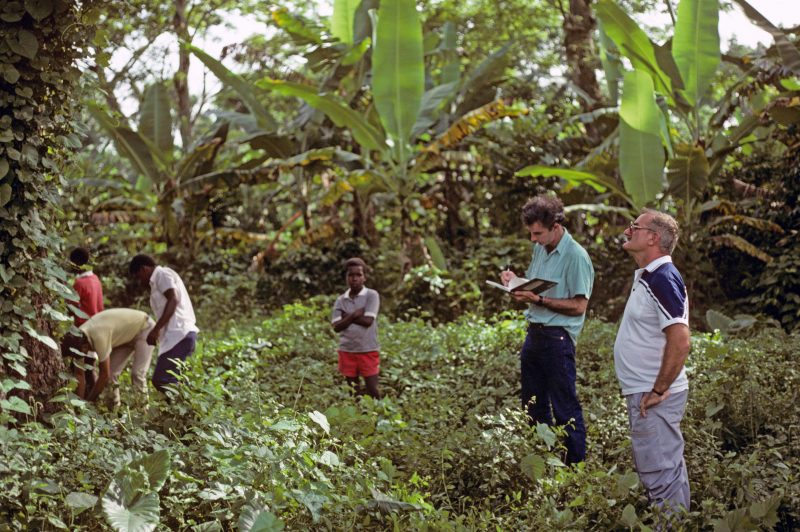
pixel 70 342
pixel 140 261
pixel 547 210
pixel 79 256
pixel 355 261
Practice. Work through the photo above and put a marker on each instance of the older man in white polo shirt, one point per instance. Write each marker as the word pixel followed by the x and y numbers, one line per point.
pixel 651 349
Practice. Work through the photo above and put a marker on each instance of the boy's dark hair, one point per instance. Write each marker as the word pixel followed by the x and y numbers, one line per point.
pixel 79 256
pixel 140 261
pixel 70 342
pixel 547 210
pixel 355 261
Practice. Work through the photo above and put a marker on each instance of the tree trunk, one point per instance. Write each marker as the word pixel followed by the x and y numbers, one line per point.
pixel 579 25
pixel 181 79
pixel 37 110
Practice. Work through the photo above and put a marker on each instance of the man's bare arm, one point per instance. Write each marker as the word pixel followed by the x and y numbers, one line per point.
pixel 574 306
pixel 676 351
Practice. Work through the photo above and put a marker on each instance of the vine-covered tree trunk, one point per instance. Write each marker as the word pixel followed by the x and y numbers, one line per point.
pixel 579 25
pixel 39 43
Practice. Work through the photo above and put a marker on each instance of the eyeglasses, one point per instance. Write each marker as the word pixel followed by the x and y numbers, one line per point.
pixel 634 226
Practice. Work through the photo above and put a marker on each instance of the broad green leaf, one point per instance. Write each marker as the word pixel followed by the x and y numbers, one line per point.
pixel 609 58
pixel 437 257
pixel 598 182
pixel 24 43
pixel 663 123
pixel 639 109
pixel 533 466
pixel 432 102
pixel 451 70
pixel 641 164
pixel 398 70
pixel 791 84
pixel 714 407
pixel 695 46
pixel 477 87
pixel 129 144
pixel 667 65
pixel 786 49
pixel 320 419
pixel 39 9
pixel 546 434
pixel 629 517
pixel 46 340
pixel 640 152
pixel 142 515
pixel 258 519
pixel 79 501
pixel 9 384
pixel 155 118
pixel 243 88
pixel 342 20
pixel 687 172
pixel 156 465
pixel 15 404
pixel 299 29
pixel 355 53
pixel 341 115
pixel 633 43
pixel 5 194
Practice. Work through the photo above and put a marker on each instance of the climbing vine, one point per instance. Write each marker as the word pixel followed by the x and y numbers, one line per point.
pixel 40 41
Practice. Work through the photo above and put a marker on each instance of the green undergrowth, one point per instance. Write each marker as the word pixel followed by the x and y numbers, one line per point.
pixel 263 435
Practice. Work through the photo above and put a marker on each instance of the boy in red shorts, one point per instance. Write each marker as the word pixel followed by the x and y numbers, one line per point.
pixel 354 318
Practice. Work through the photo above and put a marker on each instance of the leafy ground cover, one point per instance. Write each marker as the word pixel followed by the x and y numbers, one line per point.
pixel 262 435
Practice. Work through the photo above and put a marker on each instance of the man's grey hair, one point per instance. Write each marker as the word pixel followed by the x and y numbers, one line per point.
pixel 667 229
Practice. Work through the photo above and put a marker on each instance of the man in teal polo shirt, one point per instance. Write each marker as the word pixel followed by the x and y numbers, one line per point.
pixel 555 319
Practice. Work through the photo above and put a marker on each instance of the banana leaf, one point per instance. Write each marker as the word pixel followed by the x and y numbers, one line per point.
pixel 695 46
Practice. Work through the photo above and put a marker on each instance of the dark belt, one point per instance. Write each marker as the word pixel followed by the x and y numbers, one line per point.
pixel 532 326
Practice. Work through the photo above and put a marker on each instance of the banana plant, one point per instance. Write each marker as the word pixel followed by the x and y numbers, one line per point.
pixel 159 172
pixel 402 108
pixel 669 86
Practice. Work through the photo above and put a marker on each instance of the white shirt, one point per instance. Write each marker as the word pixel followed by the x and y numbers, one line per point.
pixel 182 321
pixel 658 299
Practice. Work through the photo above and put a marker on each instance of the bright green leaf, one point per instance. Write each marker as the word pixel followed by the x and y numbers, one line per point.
pixel 695 46
pixel 342 19
pixel 398 70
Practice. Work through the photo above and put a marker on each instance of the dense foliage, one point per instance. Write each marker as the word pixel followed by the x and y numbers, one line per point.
pixel 407 133
pixel 263 433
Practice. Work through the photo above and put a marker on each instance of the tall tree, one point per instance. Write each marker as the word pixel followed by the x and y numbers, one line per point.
pixel 37 80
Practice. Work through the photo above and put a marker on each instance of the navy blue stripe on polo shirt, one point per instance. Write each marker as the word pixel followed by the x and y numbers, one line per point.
pixel 665 286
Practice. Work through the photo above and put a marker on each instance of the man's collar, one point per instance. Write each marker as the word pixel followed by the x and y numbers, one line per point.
pixel 85 274
pixel 653 266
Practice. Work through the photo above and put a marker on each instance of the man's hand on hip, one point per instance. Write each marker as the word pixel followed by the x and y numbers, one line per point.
pixel 651 399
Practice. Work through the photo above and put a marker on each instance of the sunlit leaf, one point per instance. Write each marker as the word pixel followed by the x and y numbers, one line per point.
pixel 398 70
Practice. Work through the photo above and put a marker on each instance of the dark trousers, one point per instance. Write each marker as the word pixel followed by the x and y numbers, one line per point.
pixel 167 362
pixel 547 363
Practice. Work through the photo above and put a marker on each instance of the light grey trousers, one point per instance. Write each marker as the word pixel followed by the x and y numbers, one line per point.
pixel 121 355
pixel 658 449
